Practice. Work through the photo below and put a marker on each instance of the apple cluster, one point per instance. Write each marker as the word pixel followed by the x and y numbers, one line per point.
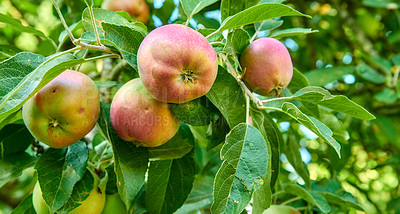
pixel 176 65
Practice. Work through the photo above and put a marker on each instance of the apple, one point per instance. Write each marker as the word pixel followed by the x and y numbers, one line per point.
pixel 267 66
pixel 63 111
pixel 137 117
pixel 136 8
pixel 88 67
pixel 281 209
pixel 176 64
pixel 114 205
pixel 39 204
pixel 93 204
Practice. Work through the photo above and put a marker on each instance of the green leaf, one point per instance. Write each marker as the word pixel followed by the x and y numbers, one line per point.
pixel 7 51
pixel 341 201
pixel 17 25
pixel 130 167
pixel 198 112
pixel 340 103
pixel 387 95
pixel 125 39
pixel 80 193
pixel 202 188
pixel 105 84
pixel 258 13
pixel 12 166
pixel 177 147
pixel 169 184
pixel 292 32
pixel 11 118
pixel 26 206
pixel 191 7
pixel 14 138
pixel 299 81
pixel 217 132
pixel 25 74
pixel 64 34
pixel 339 131
pixel 130 160
pixel 262 198
pixel 195 206
pixel 313 124
pixel 139 204
pixel 111 187
pixel 105 16
pixel 321 77
pixel 310 196
pixel 245 162
pixel 268 24
pixel 232 7
pixel 228 97
pixel 395 59
pixel 382 4
pixel 59 170
pixel 237 41
pixel 292 152
pixel 263 121
pixel 370 74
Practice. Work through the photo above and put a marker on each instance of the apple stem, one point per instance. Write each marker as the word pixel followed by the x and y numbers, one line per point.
pixel 276 99
pixel 63 21
pixel 239 80
pixel 90 7
pixel 247 109
pixel 78 42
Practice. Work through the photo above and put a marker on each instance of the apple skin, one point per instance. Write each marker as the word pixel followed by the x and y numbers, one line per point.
pixel 64 110
pixel 136 8
pixel 177 64
pixel 281 209
pixel 267 65
pixel 93 204
pixel 39 204
pixel 137 117
pixel 114 205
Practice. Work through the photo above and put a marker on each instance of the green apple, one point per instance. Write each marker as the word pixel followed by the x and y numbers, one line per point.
pixel 281 209
pixel 93 204
pixel 114 205
pixel 39 204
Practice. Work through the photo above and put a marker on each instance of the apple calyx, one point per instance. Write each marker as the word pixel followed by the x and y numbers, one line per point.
pixel 188 76
pixel 277 90
pixel 54 124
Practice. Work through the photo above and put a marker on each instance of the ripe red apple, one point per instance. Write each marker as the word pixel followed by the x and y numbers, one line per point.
pixel 63 111
pixel 177 64
pixel 137 117
pixel 267 65
pixel 93 204
pixel 136 8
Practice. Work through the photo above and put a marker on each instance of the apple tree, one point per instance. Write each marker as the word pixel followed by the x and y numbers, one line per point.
pixel 199 106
